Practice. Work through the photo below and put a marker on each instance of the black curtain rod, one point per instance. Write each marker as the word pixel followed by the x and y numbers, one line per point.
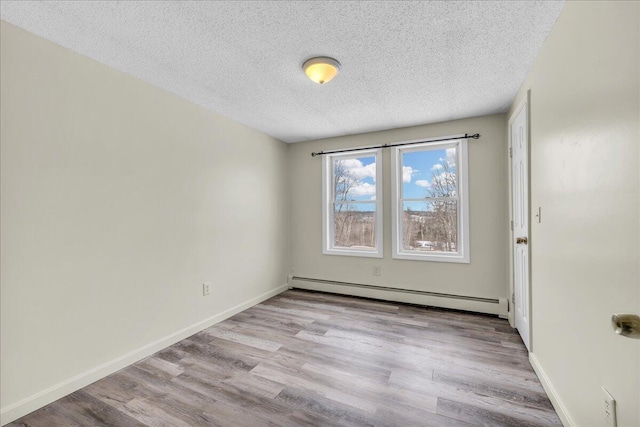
pixel 322 153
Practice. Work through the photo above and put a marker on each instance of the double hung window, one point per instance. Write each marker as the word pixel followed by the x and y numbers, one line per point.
pixel 352 199
pixel 429 202
pixel 430 209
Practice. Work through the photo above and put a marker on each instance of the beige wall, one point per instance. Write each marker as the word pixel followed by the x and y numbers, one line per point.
pixel 118 201
pixel 585 176
pixel 485 276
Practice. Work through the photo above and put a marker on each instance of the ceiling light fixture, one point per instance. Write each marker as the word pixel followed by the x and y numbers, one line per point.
pixel 321 69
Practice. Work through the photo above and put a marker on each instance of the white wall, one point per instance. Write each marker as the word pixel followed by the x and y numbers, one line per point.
pixel 585 176
pixel 118 201
pixel 486 275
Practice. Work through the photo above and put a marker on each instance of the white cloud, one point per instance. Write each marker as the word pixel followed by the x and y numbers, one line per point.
pixel 407 172
pixel 423 183
pixel 445 177
pixel 358 171
pixel 451 156
pixel 436 167
pixel 364 189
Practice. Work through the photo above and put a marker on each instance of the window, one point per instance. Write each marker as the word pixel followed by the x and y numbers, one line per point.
pixel 430 211
pixel 352 200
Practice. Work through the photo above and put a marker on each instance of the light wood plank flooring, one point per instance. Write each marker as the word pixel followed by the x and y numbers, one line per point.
pixel 314 359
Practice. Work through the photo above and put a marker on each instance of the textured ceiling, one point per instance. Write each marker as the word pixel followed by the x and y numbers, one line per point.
pixel 403 63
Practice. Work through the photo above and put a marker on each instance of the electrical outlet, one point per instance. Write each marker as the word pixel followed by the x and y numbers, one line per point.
pixel 376 270
pixel 609 409
pixel 206 288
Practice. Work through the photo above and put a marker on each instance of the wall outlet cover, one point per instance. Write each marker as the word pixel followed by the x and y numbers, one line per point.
pixel 609 409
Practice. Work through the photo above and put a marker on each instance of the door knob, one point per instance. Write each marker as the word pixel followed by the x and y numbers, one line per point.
pixel 522 240
pixel 627 325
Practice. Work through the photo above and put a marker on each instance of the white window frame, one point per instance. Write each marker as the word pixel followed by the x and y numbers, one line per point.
pixel 328 200
pixel 462 173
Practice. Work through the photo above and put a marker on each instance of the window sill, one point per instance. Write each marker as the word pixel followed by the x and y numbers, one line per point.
pixel 439 257
pixel 351 252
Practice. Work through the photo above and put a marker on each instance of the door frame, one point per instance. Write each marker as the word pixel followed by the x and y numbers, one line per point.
pixel 526 101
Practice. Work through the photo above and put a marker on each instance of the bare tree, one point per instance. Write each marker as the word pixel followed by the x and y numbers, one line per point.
pixel 352 227
pixel 437 224
pixel 445 209
pixel 343 183
pixel 408 225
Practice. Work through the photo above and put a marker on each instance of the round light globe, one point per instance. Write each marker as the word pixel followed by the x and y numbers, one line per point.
pixel 321 69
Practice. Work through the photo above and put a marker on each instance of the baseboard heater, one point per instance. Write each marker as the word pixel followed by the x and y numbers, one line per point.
pixel 497 306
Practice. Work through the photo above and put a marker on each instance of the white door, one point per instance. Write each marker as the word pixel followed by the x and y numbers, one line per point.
pixel 520 201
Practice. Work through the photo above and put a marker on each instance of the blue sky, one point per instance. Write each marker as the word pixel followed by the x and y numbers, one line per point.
pixel 418 171
pixel 422 168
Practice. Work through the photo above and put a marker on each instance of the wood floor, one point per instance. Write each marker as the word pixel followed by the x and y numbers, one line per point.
pixel 314 359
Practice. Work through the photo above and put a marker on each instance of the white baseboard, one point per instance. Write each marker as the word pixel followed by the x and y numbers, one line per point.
pixel 55 392
pixel 503 309
pixel 499 308
pixel 559 406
